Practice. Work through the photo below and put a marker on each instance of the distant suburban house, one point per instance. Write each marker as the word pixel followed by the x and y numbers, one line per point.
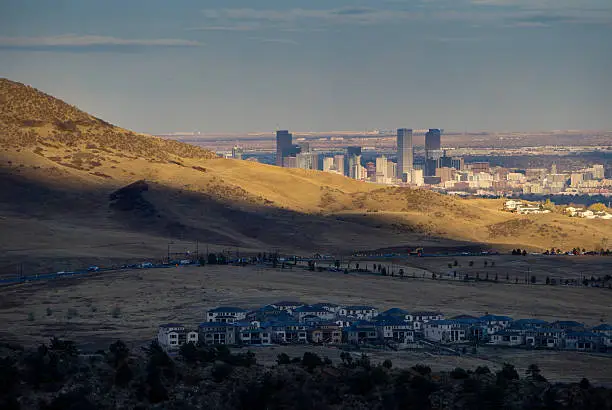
pixel 296 333
pixel 332 307
pixel 418 319
pixel 394 329
pixel 287 306
pixel 549 338
pixel 445 331
pixel 304 311
pixel 569 325
pixel 358 311
pixel 329 333
pixel 172 336
pixel 344 321
pixel 511 205
pixel 524 324
pixel 495 323
pixel 362 332
pixel 508 338
pixel 583 341
pixel 252 334
pixel 226 314
pixel 217 333
pixel 605 331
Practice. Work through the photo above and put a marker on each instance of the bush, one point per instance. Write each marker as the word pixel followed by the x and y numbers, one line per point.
pixel 49 312
pixel 311 361
pixel 387 364
pixel 71 313
pixel 283 358
pixel 116 312
pixel 459 373
pixel 31 317
pixel 422 369
pixel 482 370
pixel 221 371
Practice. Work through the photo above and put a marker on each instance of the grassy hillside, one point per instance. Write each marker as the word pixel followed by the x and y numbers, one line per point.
pixel 59 165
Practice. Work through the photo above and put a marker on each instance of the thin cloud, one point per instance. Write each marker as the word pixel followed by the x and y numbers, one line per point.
pixel 274 40
pixel 76 41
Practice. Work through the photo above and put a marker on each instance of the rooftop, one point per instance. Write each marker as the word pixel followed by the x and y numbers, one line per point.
pixel 227 309
pixel 170 325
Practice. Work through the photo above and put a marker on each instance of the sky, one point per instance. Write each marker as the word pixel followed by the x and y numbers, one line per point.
pixel 163 66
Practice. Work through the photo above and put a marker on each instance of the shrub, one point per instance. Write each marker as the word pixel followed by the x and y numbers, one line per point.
pixel 311 360
pixel 482 370
pixel 116 312
pixel 221 371
pixel 49 311
pixel 387 364
pixel 31 316
pixel 459 373
pixel 283 358
pixel 422 369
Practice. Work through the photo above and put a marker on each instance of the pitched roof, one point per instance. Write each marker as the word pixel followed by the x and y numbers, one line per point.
pixel 227 309
pixel 168 325
pixel 286 303
pixel 498 318
pixel 307 308
pixel 570 323
pixel 325 304
pixel 215 324
pixel 530 322
pixel 359 307
pixel 603 326
pixel 426 313
pixel 395 311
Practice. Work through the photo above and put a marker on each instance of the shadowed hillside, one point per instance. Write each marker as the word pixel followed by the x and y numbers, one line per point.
pixel 72 179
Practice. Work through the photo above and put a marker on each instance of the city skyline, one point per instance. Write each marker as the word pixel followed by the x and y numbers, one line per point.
pixel 191 65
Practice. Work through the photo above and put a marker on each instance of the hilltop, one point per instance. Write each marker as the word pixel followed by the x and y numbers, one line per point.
pixel 78 187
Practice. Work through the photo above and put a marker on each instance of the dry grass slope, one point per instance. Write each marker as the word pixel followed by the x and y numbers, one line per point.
pixel 45 140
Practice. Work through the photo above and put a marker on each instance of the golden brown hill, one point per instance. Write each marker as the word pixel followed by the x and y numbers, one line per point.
pixel 59 167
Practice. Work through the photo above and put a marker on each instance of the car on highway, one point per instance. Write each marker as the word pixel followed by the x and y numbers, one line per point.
pixel 93 269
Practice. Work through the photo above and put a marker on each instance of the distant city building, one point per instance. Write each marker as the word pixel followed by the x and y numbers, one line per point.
pixel 289 162
pixel 237 152
pixel 598 171
pixel 339 164
pixel 328 164
pixel 405 155
pixel 354 161
pixel 307 160
pixel 416 177
pixel 284 146
pixel 371 170
pixel 432 140
pixel 381 170
pixel 445 174
pixel 477 167
pixel 433 153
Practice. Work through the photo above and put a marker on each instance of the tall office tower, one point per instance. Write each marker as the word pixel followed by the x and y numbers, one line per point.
pixel 432 140
pixel 339 163
pixel 283 145
pixel 381 170
pixel 433 153
pixel 307 160
pixel 304 146
pixel 404 154
pixel 237 152
pixel 354 157
pixel 328 164
pixel 553 168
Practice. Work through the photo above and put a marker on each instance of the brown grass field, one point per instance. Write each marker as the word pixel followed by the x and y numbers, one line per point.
pixel 129 305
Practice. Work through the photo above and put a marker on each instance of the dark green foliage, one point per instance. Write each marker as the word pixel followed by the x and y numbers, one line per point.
pixel 283 358
pixel 74 400
pixel 123 375
pixel 459 373
pixel 189 352
pixel 9 376
pixel 585 384
pixel 311 361
pixel 507 374
pixel 212 259
pixel 387 364
pixel 422 369
pixel 482 370
pixel 221 371
pixel 119 353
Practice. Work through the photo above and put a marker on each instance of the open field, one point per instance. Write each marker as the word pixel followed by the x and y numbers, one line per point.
pixel 146 298
pixel 129 305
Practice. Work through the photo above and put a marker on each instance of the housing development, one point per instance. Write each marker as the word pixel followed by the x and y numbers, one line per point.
pixel 292 322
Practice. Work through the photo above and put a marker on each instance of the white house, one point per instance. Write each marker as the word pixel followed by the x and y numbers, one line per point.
pixel 217 333
pixel 511 205
pixel 172 336
pixel 395 330
pixel 358 312
pixel 495 323
pixel 303 311
pixel 287 306
pixel 227 314
pixel 507 338
pixel 445 331
pixel 253 334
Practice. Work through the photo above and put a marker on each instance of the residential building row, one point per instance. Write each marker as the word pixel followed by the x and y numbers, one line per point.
pixel 291 322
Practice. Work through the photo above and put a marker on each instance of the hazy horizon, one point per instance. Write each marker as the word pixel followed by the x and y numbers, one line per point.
pixel 208 66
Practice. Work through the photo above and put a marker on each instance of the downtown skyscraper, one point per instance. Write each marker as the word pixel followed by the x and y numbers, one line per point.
pixel 404 154
pixel 284 145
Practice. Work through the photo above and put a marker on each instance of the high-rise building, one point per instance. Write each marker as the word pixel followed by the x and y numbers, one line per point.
pixel 354 158
pixel 432 140
pixel 284 146
pixel 416 177
pixel 404 154
pixel 381 170
pixel 328 164
pixel 339 163
pixel 307 160
pixel 237 152
pixel 391 170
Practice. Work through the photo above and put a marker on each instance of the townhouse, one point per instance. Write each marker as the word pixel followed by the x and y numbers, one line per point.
pixel 446 331
pixel 171 336
pixel 217 333
pixel 227 314
pixel 358 311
